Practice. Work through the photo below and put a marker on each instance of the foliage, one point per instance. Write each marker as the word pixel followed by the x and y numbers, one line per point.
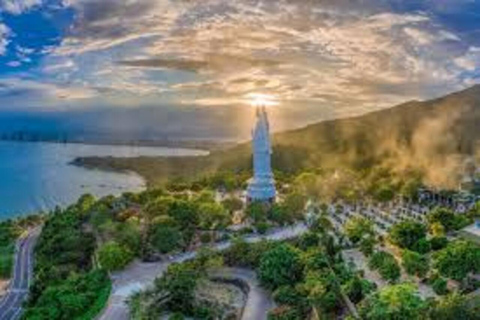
pixel 166 238
pixel 113 256
pixel 79 297
pixel 384 193
pixel 63 248
pixel 422 246
pixel 6 260
pixel 443 216
pixel 243 254
pixel 396 302
pixel 439 285
pixel 357 228
pixel 289 295
pixel 213 216
pixel 284 312
pixel 322 291
pixel 452 307
pixel 406 234
pixel 232 204
pixel 179 283
pixel 357 288
pixel 176 316
pixel 386 265
pixel 257 211
pixel 437 229
pixel 367 245
pixel 294 203
pixel 8 234
pixel 458 259
pixel 437 243
pixel 262 227
pixel 280 215
pixel 280 266
pixel 415 263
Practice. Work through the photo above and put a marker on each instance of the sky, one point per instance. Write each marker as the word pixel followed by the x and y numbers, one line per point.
pixel 196 65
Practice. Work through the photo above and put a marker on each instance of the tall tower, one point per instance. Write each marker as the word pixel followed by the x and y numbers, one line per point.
pixel 262 186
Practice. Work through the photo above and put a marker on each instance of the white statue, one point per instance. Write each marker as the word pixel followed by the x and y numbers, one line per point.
pixel 262 186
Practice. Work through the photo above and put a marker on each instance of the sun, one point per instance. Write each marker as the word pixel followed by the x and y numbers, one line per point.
pixel 261 100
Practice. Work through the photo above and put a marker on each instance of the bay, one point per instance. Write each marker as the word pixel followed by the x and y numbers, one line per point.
pixel 37 176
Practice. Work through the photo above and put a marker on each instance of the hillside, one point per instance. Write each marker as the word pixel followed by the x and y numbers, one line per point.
pixel 430 136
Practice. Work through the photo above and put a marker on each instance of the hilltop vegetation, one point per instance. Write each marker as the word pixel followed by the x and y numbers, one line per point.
pixel 422 137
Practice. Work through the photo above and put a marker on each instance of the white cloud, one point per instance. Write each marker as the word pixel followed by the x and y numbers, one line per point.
pixel 214 52
pixel 4 35
pixel 18 6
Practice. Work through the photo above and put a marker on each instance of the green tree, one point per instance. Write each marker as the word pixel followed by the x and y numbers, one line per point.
pixel 415 263
pixel 357 228
pixel 280 266
pixel 440 286
pixel 179 283
pixel 357 288
pixel 367 245
pixel 457 260
pixel 113 256
pixel 213 216
pixel 406 234
pixel 257 211
pixel 452 307
pixel 443 216
pixel 185 213
pixel 280 215
pixel 386 265
pixel 166 238
pixel 395 302
pixel 294 203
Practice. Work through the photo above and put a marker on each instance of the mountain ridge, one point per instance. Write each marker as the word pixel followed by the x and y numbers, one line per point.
pixel 432 137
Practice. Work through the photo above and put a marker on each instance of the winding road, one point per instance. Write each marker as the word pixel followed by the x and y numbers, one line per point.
pixel 11 304
pixel 140 275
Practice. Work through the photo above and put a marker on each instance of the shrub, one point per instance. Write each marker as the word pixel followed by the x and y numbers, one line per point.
pixel 440 286
pixel 415 264
pixel 113 256
pixel 422 246
pixel 280 266
pixel 262 227
pixel 386 265
pixel 407 234
pixel 438 243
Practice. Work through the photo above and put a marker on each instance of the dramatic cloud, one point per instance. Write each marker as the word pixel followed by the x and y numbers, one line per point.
pixel 328 58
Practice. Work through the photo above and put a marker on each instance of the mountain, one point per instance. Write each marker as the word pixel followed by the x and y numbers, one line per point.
pixel 432 137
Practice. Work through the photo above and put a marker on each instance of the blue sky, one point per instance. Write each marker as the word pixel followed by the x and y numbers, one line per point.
pixel 319 59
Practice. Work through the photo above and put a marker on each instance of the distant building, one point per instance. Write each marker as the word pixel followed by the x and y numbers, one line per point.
pixel 262 186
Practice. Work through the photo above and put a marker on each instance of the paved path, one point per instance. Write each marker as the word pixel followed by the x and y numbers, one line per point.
pixel 139 275
pixel 11 304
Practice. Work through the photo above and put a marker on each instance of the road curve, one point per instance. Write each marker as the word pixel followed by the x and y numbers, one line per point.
pixel 140 275
pixel 11 304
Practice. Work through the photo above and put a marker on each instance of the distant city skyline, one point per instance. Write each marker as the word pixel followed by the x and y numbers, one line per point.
pixel 318 59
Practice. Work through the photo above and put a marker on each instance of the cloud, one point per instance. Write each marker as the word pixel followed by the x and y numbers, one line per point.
pixel 4 35
pixel 338 55
pixel 17 7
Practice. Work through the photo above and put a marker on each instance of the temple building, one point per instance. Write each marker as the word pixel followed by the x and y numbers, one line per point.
pixel 262 186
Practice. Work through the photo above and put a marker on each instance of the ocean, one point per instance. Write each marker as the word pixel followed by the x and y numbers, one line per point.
pixel 37 176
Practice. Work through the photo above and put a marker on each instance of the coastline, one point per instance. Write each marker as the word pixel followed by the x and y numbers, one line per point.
pixel 200 145
pixel 153 170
